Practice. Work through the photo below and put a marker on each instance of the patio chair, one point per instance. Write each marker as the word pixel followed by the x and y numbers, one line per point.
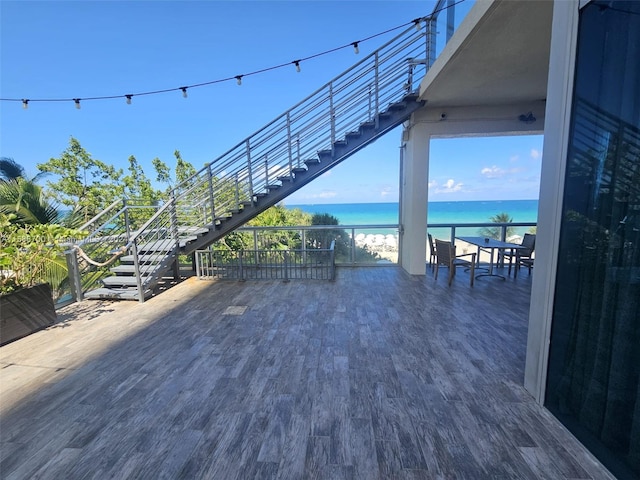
pixel 432 252
pixel 446 256
pixel 522 256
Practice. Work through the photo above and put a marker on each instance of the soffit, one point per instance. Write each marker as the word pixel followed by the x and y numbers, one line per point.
pixel 499 55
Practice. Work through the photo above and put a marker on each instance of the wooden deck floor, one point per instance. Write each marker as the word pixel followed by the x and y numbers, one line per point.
pixel 376 375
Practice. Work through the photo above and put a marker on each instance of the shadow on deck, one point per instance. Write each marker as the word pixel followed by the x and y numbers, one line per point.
pixel 376 375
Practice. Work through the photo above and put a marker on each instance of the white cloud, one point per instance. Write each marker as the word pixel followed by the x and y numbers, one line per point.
pixel 450 186
pixel 493 172
pixel 326 194
pixel 433 184
pixel 535 153
pixel 314 196
pixel 514 158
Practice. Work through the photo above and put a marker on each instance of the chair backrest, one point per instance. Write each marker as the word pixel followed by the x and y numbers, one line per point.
pixel 432 246
pixel 444 252
pixel 529 241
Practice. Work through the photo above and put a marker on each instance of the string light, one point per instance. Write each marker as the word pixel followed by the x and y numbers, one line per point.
pixel 355 45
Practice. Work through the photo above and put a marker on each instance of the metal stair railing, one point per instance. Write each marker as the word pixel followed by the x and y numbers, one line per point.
pixel 273 153
pixel 90 260
pixel 278 151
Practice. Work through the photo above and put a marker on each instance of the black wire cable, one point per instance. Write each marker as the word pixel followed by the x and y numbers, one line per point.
pixel 238 78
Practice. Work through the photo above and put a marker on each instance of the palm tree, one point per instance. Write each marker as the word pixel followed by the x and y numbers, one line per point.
pixel 23 197
pixel 495 232
pixel 10 169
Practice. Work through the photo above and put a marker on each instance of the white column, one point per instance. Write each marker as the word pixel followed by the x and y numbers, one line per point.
pixel 414 200
pixel 554 160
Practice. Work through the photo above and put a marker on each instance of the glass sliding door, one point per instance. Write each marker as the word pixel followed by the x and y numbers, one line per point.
pixel 593 383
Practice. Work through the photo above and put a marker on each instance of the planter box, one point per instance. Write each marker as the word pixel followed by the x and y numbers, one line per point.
pixel 25 311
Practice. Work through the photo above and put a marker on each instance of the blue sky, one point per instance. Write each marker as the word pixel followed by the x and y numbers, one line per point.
pixel 72 49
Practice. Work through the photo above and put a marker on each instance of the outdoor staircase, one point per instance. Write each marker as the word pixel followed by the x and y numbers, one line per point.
pixel 350 112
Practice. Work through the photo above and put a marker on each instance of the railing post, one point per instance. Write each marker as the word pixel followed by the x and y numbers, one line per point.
pixel 136 264
pixel 74 273
pixel 298 150
pixel 376 87
pixel 409 87
pixel 286 266
pixel 289 146
pixel 173 226
pixel 240 265
pixel 451 15
pixel 303 236
pixel 332 118
pixel 266 171
pixel 237 193
pixel 197 255
pixel 432 32
pixel 255 247
pixel 127 225
pixel 353 246
pixel 210 186
pixel 370 105
pixel 249 170
pixel 332 261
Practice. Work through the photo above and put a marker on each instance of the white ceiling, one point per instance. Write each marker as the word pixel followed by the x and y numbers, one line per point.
pixel 499 55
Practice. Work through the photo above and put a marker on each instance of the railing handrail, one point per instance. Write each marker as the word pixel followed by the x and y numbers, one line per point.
pixel 100 215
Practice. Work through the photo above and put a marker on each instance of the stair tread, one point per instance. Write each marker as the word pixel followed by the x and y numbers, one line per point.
pixel 158 246
pixel 154 258
pixel 132 269
pixel 120 280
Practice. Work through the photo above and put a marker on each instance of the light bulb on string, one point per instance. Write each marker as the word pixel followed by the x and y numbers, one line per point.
pixel 184 92
pixel 297 64
pixel 128 99
pixel 25 103
pixel 239 79
pixel 356 50
pixel 77 102
pixel 418 23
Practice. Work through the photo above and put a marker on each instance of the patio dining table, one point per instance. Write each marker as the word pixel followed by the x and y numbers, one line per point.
pixel 489 245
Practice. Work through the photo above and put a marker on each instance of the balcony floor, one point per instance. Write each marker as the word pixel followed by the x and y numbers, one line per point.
pixel 376 375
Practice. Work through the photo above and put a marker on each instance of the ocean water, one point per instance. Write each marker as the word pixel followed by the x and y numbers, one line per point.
pixel 438 212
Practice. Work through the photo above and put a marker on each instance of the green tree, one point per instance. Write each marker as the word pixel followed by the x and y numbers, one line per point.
pixel 84 184
pixel 31 254
pixel 495 232
pixel 280 216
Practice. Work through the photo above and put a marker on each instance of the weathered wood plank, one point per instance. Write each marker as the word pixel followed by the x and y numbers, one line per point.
pixel 377 375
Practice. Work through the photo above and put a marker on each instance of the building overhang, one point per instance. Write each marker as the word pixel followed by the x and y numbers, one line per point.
pixel 499 55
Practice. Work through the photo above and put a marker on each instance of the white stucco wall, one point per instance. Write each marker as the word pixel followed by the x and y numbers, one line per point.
pixel 556 133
